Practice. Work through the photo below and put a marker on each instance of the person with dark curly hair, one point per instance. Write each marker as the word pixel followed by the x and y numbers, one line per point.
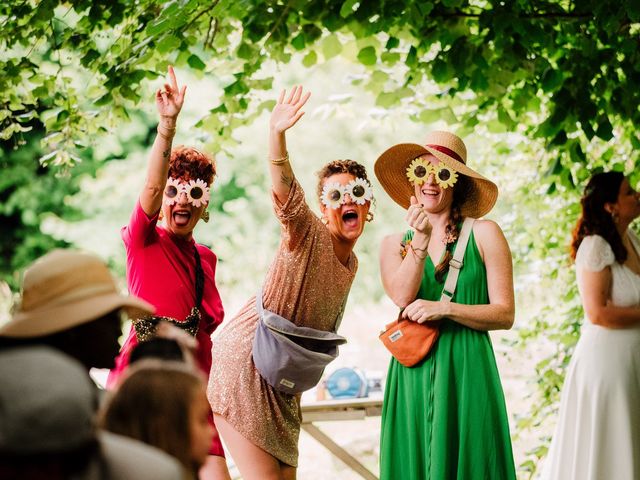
pixel 598 431
pixel 307 283
pixel 165 266
pixel 445 417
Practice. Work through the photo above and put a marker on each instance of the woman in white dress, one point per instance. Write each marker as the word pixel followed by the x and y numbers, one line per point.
pixel 598 431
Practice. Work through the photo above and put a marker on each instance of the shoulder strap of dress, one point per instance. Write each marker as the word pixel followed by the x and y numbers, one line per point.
pixel 455 264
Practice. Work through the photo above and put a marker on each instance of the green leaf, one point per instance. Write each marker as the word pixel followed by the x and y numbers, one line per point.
pixel 390 58
pixel 367 56
pixel 387 99
pixel 298 42
pixel 104 100
pixel 89 57
pixel 331 47
pixel 244 51
pixel 168 44
pixel 551 80
pixel 412 57
pixel 310 59
pixel 392 42
pixel 195 62
pixel 347 8
pixel 159 26
pixel 605 129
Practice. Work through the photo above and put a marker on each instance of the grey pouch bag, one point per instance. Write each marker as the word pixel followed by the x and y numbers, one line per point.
pixel 291 358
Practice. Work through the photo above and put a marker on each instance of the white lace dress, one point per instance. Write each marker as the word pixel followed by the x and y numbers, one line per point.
pixel 598 432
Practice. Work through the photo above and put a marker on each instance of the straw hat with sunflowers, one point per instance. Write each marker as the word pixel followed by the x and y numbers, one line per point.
pixel 400 167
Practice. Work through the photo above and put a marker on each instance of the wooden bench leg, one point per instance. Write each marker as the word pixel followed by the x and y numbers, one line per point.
pixel 338 451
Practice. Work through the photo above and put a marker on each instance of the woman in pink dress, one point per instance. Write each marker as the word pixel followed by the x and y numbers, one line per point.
pixel 308 283
pixel 165 266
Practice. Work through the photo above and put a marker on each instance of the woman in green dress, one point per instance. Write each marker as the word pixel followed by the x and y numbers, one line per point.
pixel 445 418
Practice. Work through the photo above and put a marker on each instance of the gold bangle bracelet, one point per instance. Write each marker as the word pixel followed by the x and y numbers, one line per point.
pixel 166 135
pixel 281 160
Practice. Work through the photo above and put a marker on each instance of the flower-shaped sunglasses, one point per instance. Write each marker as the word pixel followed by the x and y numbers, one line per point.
pixel 419 170
pixel 197 191
pixel 334 194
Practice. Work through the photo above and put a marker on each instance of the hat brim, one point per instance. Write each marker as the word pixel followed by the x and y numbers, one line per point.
pixel 46 321
pixel 390 169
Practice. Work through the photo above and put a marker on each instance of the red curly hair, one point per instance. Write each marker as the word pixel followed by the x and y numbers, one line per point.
pixel 188 163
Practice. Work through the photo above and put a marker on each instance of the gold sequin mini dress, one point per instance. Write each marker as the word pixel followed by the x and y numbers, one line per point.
pixel 306 284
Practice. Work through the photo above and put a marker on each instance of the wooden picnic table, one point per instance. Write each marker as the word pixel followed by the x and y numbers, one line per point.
pixel 337 410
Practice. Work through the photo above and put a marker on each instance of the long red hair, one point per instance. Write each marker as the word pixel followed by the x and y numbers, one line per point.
pixel 602 188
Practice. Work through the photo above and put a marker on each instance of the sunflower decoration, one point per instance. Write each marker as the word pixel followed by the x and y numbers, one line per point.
pixel 360 190
pixel 172 191
pixel 197 192
pixel 332 195
pixel 445 176
pixel 418 171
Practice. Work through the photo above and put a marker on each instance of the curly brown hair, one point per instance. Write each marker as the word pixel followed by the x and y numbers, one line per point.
pixel 340 166
pixel 601 189
pixel 188 163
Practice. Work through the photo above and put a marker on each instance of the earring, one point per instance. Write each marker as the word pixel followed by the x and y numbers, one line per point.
pixel 205 216
pixel 324 220
pixel 160 216
pixel 614 217
pixel 369 217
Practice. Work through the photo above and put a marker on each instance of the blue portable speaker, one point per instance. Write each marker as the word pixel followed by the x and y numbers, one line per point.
pixel 347 383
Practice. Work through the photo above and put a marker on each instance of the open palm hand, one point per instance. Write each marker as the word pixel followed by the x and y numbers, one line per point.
pixel 287 112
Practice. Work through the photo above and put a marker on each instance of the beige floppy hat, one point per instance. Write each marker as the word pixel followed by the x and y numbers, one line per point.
pixel 64 289
pixel 390 169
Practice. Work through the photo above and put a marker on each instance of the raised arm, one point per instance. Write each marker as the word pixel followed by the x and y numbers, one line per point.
pixel 169 103
pixel 401 277
pixel 285 114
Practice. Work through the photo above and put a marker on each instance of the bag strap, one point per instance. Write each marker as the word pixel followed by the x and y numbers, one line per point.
pixel 199 279
pixel 455 264
pixel 260 308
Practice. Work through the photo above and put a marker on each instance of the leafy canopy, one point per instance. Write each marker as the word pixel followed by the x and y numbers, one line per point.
pixel 566 72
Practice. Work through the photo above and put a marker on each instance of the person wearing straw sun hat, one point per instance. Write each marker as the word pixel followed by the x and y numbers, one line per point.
pixel 70 301
pixel 447 413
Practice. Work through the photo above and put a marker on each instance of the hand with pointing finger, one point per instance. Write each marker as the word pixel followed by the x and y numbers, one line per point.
pixel 169 99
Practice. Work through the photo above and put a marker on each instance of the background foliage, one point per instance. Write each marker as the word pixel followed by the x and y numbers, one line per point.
pixel 544 92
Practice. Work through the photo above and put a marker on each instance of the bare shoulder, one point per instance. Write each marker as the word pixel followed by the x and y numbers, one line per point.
pixel 489 237
pixel 486 230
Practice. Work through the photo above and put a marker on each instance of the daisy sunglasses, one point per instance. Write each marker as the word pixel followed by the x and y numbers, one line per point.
pixel 197 191
pixel 334 194
pixel 419 170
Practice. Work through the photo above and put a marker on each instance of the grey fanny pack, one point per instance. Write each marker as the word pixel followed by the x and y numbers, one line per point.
pixel 291 358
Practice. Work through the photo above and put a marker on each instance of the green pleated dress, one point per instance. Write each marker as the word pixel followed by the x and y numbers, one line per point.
pixel 446 418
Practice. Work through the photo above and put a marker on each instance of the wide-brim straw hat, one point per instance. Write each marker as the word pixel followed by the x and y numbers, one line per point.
pixel 64 289
pixel 391 170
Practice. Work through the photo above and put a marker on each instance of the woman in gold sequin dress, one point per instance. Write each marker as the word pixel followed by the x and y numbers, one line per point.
pixel 307 283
